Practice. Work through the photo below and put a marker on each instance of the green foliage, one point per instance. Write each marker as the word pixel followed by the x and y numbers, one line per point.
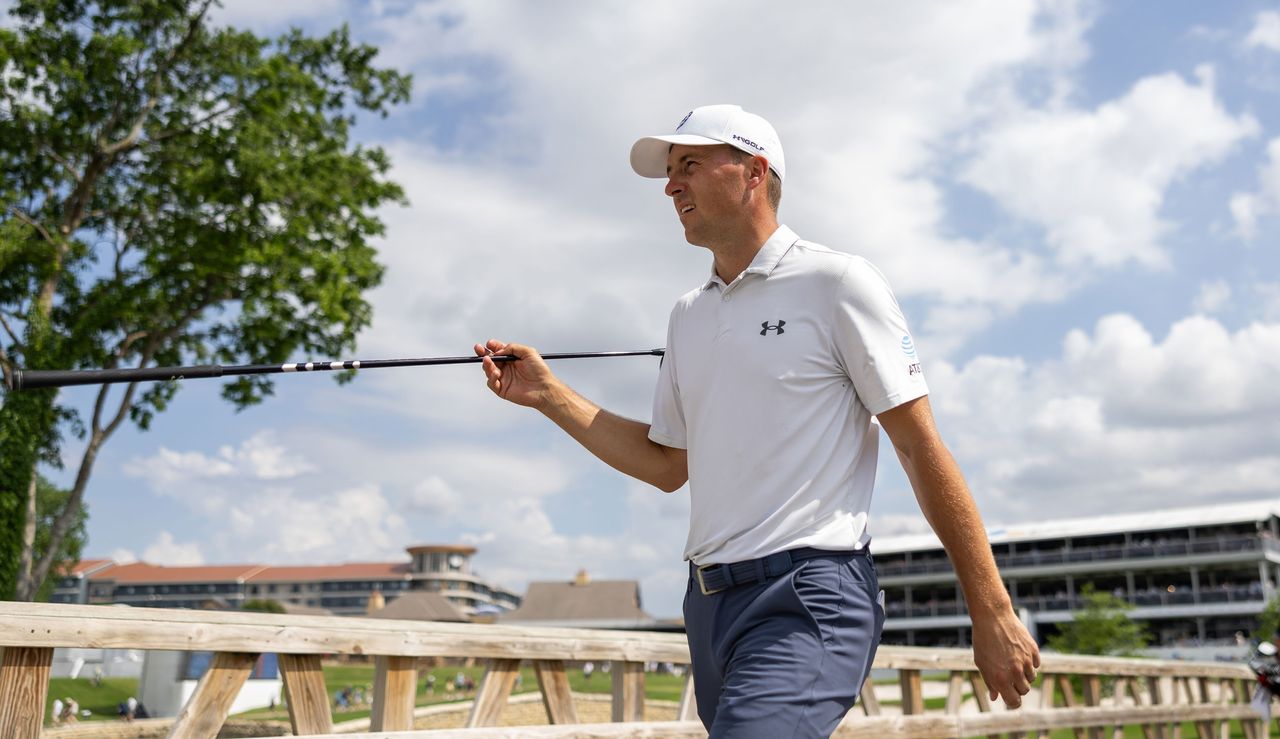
pixel 174 193
pixel 1102 627
pixel 1269 620
pixel 262 606
pixel 51 500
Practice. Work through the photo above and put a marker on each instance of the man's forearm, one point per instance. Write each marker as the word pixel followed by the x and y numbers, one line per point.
pixel 948 506
pixel 622 443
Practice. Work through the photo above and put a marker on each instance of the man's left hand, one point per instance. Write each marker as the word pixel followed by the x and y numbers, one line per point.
pixel 1006 655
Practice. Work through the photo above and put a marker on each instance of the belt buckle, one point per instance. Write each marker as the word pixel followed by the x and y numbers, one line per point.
pixel 702 585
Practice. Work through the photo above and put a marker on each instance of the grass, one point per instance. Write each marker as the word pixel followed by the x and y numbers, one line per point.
pixel 337 676
pixel 100 701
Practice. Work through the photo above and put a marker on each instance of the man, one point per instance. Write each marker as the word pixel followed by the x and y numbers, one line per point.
pixel 774 371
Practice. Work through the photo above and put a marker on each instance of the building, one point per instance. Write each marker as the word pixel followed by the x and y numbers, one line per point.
pixel 340 589
pixel 1193 575
pixel 583 603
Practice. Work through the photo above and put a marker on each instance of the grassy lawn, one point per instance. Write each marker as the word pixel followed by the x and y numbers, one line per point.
pixel 338 676
pixel 100 701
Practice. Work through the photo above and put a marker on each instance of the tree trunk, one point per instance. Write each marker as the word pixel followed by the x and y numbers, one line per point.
pixel 24 589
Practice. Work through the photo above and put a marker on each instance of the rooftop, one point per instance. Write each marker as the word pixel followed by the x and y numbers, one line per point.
pixel 1215 515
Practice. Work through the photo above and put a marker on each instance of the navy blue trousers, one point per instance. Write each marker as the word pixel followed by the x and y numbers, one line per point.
pixel 786 657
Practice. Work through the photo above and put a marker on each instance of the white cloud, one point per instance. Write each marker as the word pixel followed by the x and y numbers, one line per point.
pixel 1120 421
pixel 259 457
pixel 1095 180
pixel 1248 207
pixel 559 239
pixel 259 16
pixel 1265 32
pixel 166 551
pixel 123 556
pixel 1212 296
pixel 283 525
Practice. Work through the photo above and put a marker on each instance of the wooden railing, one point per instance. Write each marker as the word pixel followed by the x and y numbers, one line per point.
pixel 1090 695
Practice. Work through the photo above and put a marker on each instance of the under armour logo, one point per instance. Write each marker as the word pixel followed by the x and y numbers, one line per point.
pixel 765 328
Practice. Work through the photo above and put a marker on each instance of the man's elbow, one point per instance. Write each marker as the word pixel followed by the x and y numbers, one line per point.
pixel 672 481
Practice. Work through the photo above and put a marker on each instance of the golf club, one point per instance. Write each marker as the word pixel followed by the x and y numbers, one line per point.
pixel 32 379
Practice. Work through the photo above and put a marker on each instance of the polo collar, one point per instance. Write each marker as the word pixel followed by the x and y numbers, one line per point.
pixel 766 260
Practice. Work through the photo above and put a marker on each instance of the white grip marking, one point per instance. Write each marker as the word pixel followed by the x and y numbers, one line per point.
pixel 288 368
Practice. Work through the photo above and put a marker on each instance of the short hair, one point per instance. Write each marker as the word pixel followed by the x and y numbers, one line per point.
pixel 773 186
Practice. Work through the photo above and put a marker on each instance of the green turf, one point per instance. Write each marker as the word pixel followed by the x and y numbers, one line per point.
pixel 100 701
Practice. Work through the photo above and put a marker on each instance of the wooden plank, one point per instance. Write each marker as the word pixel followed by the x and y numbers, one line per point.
pixel 628 691
pixel 1092 688
pixel 556 696
pixel 688 710
pixel 65 625
pixel 912 692
pixel 205 712
pixel 870 703
pixel 305 694
pixel 499 680
pixel 1048 690
pixel 395 683
pixel 69 625
pixel 927 726
pixel 979 691
pixel 649 730
pixel 24 689
pixel 955 692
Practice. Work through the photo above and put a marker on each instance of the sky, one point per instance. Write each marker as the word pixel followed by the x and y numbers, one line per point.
pixel 1077 204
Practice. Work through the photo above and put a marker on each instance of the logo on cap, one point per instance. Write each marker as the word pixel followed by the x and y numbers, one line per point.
pixel 748 142
pixel 684 120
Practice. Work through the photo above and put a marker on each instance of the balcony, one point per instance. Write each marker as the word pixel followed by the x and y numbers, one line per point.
pixel 1092 554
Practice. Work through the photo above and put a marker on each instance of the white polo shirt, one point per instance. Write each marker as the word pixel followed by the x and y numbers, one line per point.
pixel 771 383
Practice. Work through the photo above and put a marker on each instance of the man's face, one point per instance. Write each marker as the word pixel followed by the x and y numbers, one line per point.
pixel 708 185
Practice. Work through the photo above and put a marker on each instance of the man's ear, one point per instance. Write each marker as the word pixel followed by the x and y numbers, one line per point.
pixel 758 171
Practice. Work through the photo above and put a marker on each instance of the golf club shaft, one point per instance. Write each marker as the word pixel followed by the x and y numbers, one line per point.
pixel 32 379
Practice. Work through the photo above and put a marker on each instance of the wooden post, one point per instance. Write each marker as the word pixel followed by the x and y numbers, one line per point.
pixel 1093 698
pixel 206 711
pixel 305 694
pixel 395 684
pixel 24 689
pixel 870 704
pixel 1157 698
pixel 955 692
pixel 628 691
pixel 689 701
pixel 556 696
pixel 912 692
pixel 1048 687
pixel 495 688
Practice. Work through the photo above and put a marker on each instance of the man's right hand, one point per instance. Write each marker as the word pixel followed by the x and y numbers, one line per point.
pixel 526 381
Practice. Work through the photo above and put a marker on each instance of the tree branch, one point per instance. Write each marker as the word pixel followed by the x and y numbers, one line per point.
pixel 152 87
pixel 44 232
pixel 64 163
pixel 163 135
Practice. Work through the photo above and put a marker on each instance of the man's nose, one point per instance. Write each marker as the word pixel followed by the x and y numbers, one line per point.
pixel 673 187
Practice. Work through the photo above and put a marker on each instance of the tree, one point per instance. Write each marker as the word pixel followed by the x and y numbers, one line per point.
pixel 263 606
pixel 1102 627
pixel 172 193
pixel 1269 620
pixel 50 501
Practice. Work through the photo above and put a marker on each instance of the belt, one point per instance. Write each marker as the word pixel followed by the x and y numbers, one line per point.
pixel 715 578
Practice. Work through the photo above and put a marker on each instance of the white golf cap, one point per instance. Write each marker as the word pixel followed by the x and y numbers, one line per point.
pixel 711 124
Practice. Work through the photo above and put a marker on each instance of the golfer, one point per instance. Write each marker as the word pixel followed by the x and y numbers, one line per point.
pixel 777 368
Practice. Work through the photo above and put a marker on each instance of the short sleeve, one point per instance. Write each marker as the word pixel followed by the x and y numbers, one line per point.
pixel 668 427
pixel 872 340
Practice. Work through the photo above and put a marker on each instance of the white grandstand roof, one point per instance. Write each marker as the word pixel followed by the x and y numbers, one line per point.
pixel 1227 513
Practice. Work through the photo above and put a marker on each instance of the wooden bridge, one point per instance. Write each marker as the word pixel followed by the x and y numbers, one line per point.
pixel 1093 696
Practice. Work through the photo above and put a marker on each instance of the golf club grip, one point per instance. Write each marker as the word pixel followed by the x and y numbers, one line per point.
pixel 35 379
